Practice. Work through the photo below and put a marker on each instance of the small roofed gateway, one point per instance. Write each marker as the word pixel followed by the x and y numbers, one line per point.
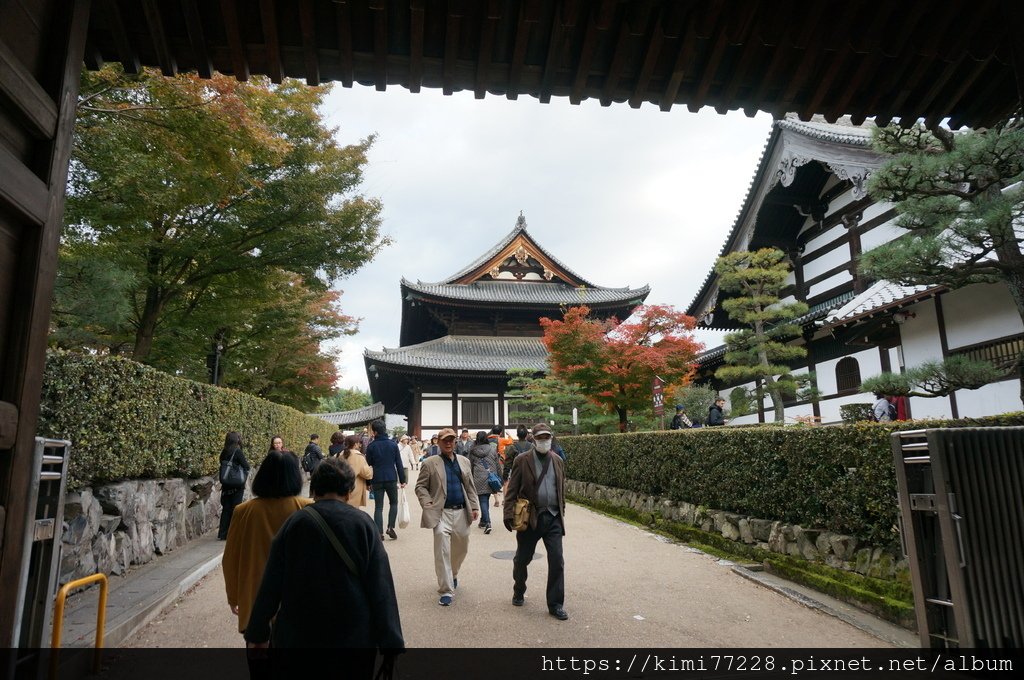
pixel 460 336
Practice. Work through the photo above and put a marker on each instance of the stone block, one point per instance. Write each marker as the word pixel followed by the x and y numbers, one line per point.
pixel 862 561
pixel 109 523
pixel 805 541
pixel 746 534
pixel 730 531
pixel 823 543
pixel 843 546
pixel 777 538
pixel 761 529
pixel 76 530
pixel 883 565
pixel 719 520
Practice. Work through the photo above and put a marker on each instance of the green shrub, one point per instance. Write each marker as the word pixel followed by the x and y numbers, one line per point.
pixel 856 413
pixel 129 421
pixel 841 478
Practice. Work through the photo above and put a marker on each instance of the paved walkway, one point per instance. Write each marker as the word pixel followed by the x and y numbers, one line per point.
pixel 624 587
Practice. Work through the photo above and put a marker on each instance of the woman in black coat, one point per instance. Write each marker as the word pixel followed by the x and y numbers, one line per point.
pixel 231 496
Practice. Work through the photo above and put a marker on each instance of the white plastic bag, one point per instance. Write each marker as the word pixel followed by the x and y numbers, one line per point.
pixel 403 509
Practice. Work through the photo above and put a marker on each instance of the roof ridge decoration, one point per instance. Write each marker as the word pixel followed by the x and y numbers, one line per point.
pixel 517 254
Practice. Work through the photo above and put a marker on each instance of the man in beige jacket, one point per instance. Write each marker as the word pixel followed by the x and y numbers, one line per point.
pixel 450 506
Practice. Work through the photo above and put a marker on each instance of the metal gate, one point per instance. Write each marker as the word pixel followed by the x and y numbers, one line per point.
pixel 961 496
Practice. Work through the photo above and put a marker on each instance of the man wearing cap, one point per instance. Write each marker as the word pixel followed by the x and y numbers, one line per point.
pixel 680 419
pixel 450 506
pixel 539 477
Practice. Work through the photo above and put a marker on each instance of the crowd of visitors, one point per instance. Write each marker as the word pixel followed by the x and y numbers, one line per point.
pixel 293 564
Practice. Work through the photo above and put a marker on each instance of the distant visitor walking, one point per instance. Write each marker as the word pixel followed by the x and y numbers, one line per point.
pixel 388 475
pixel 231 494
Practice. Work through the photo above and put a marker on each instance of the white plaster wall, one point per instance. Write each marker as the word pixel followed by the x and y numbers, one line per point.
pixel 824 239
pixel 830 412
pixel 874 210
pixel 978 313
pixel 830 283
pixel 842 200
pixel 791 278
pixel 436 412
pixel 937 407
pixel 1000 397
pixel 919 336
pixel 829 260
pixel 883 233
pixel 870 365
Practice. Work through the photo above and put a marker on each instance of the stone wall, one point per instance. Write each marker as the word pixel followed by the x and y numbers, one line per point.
pixel 816 545
pixel 110 527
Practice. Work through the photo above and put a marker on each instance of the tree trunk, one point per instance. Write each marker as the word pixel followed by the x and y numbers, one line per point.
pixel 1009 253
pixel 147 326
pixel 623 420
pixel 776 394
pixel 1015 282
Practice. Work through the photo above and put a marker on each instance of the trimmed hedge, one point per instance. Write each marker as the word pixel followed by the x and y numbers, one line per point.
pixel 840 477
pixel 129 421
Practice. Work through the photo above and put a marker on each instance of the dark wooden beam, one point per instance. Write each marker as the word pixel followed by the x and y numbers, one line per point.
pixel 233 31
pixel 808 40
pixel 709 71
pixel 488 28
pixel 155 22
pixel 611 81
pixel 379 8
pixel 687 46
pixel 125 53
pixel 8 424
pixel 643 78
pixel 451 46
pixel 417 29
pixel 346 62
pixel 197 39
pixel 552 62
pixel 93 57
pixel 827 82
pixel 271 40
pixel 307 26
pixel 31 100
pixel 953 99
pixel 21 189
pixel 528 17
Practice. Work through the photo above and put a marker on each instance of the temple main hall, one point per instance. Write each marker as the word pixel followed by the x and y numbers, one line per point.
pixel 459 337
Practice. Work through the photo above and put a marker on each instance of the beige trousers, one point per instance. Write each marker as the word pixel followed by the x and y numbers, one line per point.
pixel 451 543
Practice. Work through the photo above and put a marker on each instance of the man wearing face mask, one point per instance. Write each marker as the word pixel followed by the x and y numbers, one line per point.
pixel 539 477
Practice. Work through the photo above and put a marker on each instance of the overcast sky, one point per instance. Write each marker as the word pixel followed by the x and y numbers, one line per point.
pixel 623 197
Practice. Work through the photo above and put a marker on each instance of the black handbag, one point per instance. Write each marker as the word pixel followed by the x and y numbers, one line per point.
pixel 232 474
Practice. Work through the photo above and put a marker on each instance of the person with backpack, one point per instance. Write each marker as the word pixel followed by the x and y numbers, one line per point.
pixel 312 456
pixel 231 496
pixel 884 411
pixel 388 474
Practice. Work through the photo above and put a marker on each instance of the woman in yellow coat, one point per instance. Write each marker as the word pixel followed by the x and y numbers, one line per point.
pixel 277 486
pixel 355 458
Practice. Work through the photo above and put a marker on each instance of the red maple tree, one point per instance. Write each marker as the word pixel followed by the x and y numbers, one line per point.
pixel 614 363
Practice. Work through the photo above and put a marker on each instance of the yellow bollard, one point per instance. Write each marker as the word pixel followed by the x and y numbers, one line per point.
pixel 58 609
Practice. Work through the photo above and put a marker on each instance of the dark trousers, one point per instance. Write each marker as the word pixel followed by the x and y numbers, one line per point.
pixel 379 489
pixel 485 509
pixel 229 499
pixel 549 529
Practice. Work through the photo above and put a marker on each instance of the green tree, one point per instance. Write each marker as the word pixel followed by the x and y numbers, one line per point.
pixel 344 399
pixel 935 378
pixel 181 188
pixel 961 199
pixel 696 399
pixel 536 395
pixel 614 363
pixel 759 352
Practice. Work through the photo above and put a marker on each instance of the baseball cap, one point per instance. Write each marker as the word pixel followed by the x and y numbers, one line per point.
pixel 445 433
pixel 541 428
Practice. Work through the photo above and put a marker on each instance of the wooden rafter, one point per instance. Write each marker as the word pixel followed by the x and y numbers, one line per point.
pixel 687 46
pixel 611 81
pixel 22 189
pixel 807 39
pixel 379 9
pixel 451 45
pixel 928 49
pixel 488 28
pixel 272 39
pixel 654 43
pixel 197 38
pixel 24 91
pixel 954 98
pixel 155 22
pixel 417 28
pixel 586 56
pixel 710 70
pixel 307 24
pixel 346 61
pixel 524 26
pixel 551 62
pixel 125 53
pixel 233 31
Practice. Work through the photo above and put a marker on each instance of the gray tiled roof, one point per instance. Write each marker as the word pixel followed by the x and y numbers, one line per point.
pixel 841 132
pixel 355 417
pixel 879 297
pixel 468 353
pixel 520 228
pixel 528 292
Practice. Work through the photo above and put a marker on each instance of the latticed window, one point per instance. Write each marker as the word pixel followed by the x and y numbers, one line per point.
pixel 847 374
pixel 478 413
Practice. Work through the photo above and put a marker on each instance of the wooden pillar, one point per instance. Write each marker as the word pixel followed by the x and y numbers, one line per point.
pixel 42 47
pixel 455 406
pixel 812 367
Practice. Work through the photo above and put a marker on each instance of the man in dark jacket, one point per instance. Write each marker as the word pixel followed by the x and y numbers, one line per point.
pixel 680 420
pixel 539 477
pixel 715 415
pixel 312 456
pixel 388 474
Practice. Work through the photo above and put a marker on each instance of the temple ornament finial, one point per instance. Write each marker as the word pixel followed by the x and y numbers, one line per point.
pixel 521 221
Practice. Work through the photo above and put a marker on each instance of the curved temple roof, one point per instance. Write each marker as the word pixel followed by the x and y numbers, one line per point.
pixel 530 293
pixel 483 354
